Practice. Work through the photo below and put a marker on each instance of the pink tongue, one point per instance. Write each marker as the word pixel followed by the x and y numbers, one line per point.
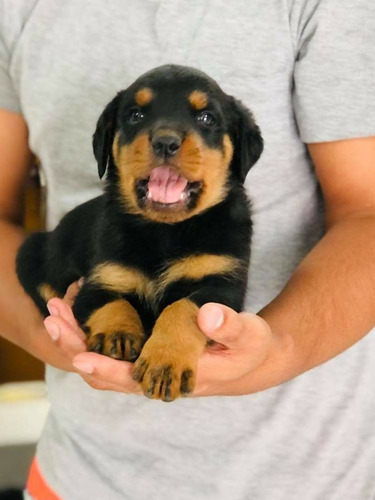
pixel 166 185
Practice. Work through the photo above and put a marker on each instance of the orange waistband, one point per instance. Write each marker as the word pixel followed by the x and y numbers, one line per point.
pixel 36 485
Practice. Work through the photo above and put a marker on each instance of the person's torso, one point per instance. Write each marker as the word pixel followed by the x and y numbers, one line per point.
pixel 310 438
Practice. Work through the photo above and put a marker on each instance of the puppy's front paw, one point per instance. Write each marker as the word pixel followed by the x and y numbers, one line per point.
pixel 115 330
pixel 167 366
pixel 117 345
pixel 163 376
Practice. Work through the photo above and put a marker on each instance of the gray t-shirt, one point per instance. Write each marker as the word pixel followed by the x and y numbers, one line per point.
pixel 307 70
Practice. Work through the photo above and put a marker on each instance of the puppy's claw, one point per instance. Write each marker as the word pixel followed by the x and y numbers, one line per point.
pixel 187 382
pixel 140 370
pixel 151 389
pixel 165 392
pixel 96 343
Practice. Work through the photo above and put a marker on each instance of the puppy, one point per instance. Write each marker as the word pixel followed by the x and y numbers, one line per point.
pixel 171 232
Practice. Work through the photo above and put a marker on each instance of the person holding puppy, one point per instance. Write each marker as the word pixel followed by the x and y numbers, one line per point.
pixel 284 408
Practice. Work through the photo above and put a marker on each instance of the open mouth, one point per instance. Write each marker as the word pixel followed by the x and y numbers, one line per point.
pixel 167 189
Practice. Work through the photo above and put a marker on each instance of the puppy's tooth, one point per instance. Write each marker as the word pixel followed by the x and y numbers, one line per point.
pixel 183 196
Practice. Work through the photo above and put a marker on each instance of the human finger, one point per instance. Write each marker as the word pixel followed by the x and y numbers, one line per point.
pixel 60 308
pixel 72 290
pixel 65 337
pixel 105 373
pixel 229 328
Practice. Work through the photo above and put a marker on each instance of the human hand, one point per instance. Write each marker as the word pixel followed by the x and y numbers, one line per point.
pixel 63 329
pixel 246 356
pixel 100 372
pixel 243 344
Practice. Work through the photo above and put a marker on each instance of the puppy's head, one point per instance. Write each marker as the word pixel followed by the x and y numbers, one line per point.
pixel 173 143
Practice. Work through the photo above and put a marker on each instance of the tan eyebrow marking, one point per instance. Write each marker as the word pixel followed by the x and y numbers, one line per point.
pixel 198 99
pixel 144 96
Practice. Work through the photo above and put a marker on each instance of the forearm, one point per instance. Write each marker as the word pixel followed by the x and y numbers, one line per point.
pixel 327 305
pixel 21 322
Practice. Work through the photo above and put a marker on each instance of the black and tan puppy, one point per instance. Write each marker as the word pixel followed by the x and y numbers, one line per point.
pixel 171 232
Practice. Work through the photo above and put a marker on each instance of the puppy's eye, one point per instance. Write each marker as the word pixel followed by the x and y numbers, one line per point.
pixel 206 118
pixel 135 115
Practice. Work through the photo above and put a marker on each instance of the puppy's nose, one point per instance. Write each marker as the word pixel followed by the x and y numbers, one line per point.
pixel 166 145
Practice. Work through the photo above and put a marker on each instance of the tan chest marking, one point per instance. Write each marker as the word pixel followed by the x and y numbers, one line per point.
pixel 121 279
pixel 197 267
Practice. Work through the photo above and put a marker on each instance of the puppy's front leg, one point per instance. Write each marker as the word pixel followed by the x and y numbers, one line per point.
pixel 167 365
pixel 112 325
pixel 166 368
pixel 168 362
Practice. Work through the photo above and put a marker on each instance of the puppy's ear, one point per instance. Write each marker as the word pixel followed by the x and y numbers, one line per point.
pixel 247 139
pixel 104 134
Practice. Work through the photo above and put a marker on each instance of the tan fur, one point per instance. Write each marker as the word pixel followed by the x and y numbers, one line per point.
pixel 195 161
pixel 171 353
pixel 144 96
pixel 208 165
pixel 121 279
pixel 47 292
pixel 116 323
pixel 115 316
pixel 198 99
pixel 133 161
pixel 197 267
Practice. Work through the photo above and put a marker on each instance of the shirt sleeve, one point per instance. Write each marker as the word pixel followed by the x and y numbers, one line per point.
pixel 334 73
pixel 13 18
pixel 8 97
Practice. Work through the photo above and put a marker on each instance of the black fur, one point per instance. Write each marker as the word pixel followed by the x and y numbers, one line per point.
pixel 102 230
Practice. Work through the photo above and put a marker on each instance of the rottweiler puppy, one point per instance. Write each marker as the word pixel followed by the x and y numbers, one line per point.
pixel 170 233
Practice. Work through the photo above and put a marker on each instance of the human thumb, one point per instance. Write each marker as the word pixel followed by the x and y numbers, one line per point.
pixel 220 323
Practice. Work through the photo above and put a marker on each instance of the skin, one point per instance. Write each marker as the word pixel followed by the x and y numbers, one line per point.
pixel 326 306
